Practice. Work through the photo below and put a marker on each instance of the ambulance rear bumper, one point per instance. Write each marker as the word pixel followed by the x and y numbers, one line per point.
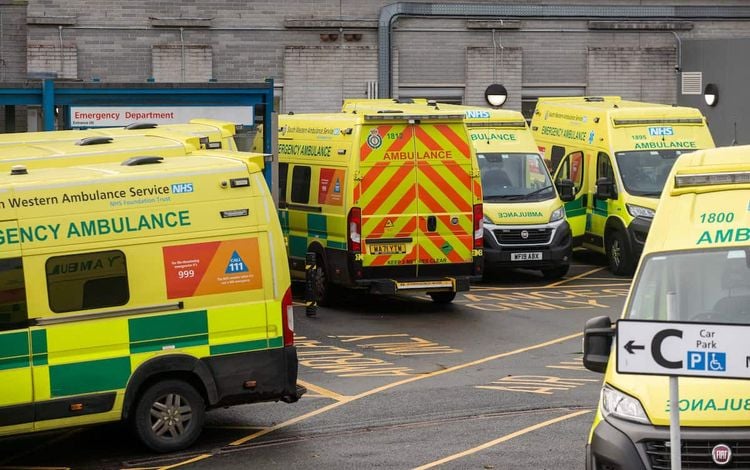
pixel 401 286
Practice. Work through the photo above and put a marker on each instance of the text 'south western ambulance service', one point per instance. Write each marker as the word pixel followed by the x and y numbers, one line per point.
pixel 89 332
pixel 698 252
pixel 617 154
pixel 389 201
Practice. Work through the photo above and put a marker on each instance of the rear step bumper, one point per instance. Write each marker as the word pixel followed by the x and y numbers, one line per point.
pixel 400 286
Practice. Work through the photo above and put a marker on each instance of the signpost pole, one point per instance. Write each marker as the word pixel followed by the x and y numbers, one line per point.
pixel 674 400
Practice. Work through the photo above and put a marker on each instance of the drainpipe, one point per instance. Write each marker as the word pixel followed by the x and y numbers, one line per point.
pixel 182 53
pixel 62 60
pixel 390 13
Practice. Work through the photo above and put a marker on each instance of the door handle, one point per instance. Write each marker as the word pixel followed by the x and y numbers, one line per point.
pixel 431 223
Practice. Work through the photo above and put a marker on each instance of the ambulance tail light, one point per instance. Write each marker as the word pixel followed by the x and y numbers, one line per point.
pixel 708 179
pixel 478 226
pixel 287 317
pixel 354 224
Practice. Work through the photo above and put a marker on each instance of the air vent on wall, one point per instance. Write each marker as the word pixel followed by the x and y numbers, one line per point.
pixel 692 83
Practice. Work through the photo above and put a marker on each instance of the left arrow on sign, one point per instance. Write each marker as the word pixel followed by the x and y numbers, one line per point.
pixel 629 346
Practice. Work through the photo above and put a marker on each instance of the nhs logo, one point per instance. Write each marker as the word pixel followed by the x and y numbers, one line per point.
pixel 180 188
pixel 477 114
pixel 660 131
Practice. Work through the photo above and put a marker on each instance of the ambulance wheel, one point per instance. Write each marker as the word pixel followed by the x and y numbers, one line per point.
pixel 556 272
pixel 618 254
pixel 169 416
pixel 443 297
pixel 324 290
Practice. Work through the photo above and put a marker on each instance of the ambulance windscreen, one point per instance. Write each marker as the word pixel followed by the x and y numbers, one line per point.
pixel 514 176
pixel 644 172
pixel 710 286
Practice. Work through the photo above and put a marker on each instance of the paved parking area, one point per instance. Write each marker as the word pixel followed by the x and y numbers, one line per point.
pixel 494 380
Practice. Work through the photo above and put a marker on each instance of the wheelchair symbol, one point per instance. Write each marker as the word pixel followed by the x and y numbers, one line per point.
pixel 717 362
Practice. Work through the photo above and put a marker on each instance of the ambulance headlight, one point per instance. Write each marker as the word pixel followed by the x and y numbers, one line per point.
pixel 487 220
pixel 622 405
pixel 557 214
pixel 640 211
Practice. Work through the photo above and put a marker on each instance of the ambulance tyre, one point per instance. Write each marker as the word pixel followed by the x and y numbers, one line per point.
pixel 443 297
pixel 556 272
pixel 618 253
pixel 169 415
pixel 325 292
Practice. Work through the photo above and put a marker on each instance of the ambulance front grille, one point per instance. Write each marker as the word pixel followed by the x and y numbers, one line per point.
pixel 514 236
pixel 697 454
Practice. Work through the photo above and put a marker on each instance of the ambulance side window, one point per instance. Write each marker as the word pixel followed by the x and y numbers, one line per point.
pixel 556 155
pixel 604 167
pixel 13 312
pixel 86 281
pixel 301 184
pixel 283 177
pixel 572 168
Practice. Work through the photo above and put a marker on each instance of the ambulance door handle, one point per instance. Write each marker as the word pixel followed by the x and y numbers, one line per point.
pixel 431 223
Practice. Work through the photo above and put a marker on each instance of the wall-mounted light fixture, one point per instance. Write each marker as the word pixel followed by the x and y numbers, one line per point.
pixel 711 94
pixel 496 95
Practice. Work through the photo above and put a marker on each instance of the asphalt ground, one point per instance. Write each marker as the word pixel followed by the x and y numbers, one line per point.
pixel 492 381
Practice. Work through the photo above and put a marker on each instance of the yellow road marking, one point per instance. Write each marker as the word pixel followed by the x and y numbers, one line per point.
pixel 551 286
pixel 186 462
pixel 554 284
pixel 323 391
pixel 400 382
pixel 500 440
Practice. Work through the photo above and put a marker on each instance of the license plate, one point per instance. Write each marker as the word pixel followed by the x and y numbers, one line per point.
pixel 537 255
pixel 387 249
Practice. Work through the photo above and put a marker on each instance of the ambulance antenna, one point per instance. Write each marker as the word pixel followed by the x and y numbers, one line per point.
pixel 734 141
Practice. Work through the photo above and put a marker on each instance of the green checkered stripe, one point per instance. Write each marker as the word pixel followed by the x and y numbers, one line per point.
pixel 328 231
pixel 147 334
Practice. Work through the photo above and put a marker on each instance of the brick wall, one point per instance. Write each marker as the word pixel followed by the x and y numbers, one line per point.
pixel 49 58
pixel 643 74
pixel 485 66
pixel 177 63
pixel 319 78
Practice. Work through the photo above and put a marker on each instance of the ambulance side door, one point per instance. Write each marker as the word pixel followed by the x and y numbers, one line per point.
pixel 16 393
pixel 572 167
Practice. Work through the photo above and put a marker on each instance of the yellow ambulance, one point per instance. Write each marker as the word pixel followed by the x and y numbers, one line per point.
pixel 618 154
pixel 390 201
pixel 698 249
pixel 212 133
pixel 147 290
pixel 524 218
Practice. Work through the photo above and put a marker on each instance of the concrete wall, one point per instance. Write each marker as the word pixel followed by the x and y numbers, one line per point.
pixel 725 63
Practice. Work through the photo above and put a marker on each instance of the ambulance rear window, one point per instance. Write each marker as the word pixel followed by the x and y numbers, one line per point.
pixel 87 281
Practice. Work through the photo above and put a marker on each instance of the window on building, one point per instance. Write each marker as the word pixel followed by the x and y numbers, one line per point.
pixel 87 281
pixel 13 311
pixel 301 184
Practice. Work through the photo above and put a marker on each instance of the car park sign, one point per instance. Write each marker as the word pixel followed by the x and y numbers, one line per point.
pixel 683 349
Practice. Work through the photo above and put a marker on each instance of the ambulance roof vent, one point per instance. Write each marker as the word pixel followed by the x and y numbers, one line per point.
pixel 141 125
pixel 19 170
pixel 135 161
pixel 388 111
pixel 95 140
pixel 593 99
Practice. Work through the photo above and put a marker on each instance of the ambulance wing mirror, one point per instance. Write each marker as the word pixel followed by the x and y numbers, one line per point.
pixel 605 189
pixel 566 190
pixel 597 343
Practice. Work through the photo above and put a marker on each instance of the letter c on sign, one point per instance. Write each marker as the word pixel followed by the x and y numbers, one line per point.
pixel 656 348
